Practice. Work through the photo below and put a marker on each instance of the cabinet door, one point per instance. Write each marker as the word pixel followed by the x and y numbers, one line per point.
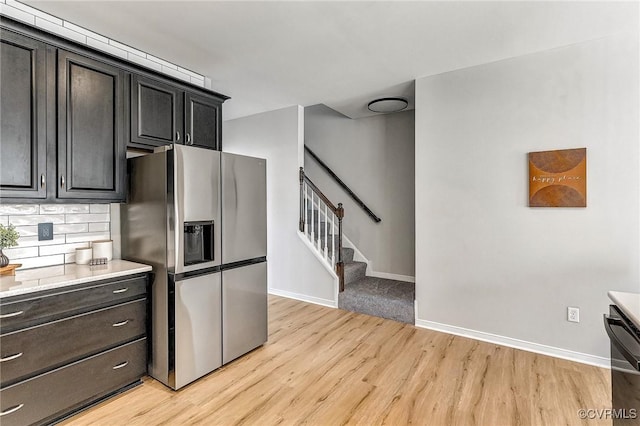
pixel 203 117
pixel 91 148
pixel 23 113
pixel 156 112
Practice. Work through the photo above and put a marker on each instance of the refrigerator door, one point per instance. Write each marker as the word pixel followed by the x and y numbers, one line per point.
pixel 244 310
pixel 198 339
pixel 244 208
pixel 197 198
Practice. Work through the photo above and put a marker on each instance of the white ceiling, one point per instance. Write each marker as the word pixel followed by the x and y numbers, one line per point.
pixel 269 55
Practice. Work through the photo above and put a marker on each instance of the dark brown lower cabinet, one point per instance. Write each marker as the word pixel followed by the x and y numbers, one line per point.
pixel 48 396
pixel 52 344
pixel 64 349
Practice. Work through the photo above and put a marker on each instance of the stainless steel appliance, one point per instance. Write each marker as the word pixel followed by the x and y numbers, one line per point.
pixel 244 247
pixel 625 367
pixel 209 293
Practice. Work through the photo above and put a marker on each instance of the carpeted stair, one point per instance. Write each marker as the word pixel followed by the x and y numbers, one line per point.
pixel 369 295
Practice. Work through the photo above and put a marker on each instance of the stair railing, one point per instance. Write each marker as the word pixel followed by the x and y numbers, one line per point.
pixel 343 185
pixel 321 222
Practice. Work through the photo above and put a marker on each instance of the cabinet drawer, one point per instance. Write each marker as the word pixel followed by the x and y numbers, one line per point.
pixel 36 349
pixel 40 307
pixel 53 394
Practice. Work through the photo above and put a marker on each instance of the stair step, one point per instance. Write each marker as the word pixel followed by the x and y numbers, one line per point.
pixel 353 271
pixel 347 254
pixel 380 297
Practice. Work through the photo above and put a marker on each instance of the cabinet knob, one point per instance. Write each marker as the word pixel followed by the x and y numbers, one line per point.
pixel 11 357
pixel 189 141
pixel 11 410
pixel 120 324
pixel 121 290
pixel 42 181
pixel 61 181
pixel 177 136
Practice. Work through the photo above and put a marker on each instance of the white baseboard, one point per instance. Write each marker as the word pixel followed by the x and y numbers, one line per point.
pixel 359 257
pixel 304 298
pixel 516 343
pixel 397 277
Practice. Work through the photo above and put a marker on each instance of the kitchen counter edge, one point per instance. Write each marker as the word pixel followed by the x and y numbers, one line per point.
pixel 629 304
pixel 51 277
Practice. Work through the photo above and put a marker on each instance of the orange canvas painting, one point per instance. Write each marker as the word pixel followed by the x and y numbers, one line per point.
pixel 558 178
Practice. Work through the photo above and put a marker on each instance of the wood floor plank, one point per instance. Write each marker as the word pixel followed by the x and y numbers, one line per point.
pixel 325 366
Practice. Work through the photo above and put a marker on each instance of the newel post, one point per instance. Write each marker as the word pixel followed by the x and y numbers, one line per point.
pixel 340 264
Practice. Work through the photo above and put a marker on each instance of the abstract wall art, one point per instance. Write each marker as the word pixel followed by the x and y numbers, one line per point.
pixel 558 178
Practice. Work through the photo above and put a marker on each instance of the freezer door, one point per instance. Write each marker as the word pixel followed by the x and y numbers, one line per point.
pixel 244 310
pixel 244 208
pixel 197 198
pixel 198 337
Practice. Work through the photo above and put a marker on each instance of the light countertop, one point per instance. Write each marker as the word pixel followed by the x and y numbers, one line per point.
pixel 629 304
pixel 38 279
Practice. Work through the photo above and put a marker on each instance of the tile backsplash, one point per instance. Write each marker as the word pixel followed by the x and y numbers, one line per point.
pixel 74 226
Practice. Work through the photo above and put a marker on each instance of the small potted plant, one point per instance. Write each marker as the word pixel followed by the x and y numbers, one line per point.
pixel 8 238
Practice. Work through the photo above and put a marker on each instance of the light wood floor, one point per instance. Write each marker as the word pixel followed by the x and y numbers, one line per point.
pixel 325 366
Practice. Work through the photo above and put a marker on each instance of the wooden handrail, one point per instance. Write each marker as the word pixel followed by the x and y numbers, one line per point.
pixel 319 193
pixel 337 211
pixel 344 186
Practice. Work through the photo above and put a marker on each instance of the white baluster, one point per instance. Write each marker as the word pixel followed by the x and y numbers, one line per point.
pixel 326 240
pixel 318 241
pixel 313 223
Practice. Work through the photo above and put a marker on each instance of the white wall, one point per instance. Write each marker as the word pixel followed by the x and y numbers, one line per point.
pixel 374 156
pixel 485 261
pixel 278 136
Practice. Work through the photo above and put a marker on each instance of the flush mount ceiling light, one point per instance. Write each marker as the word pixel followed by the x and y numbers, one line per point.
pixel 388 105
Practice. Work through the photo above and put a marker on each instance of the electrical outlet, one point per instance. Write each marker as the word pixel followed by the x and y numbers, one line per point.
pixel 573 314
pixel 45 231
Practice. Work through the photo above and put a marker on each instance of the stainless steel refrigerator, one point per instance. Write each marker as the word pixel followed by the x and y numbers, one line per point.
pixel 198 217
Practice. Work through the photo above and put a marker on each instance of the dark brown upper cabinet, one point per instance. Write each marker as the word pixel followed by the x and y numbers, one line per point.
pixel 156 112
pixel 162 114
pixel 203 116
pixel 91 144
pixel 25 66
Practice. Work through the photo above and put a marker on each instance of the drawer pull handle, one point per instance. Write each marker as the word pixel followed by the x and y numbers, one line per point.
pixel 10 357
pixel 122 290
pixel 124 364
pixel 12 314
pixel 121 323
pixel 11 410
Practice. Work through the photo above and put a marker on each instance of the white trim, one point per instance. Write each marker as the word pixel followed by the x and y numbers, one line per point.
pixel 516 343
pixel 52 24
pixel 328 267
pixel 359 257
pixel 317 254
pixel 303 297
pixel 357 254
pixel 388 276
